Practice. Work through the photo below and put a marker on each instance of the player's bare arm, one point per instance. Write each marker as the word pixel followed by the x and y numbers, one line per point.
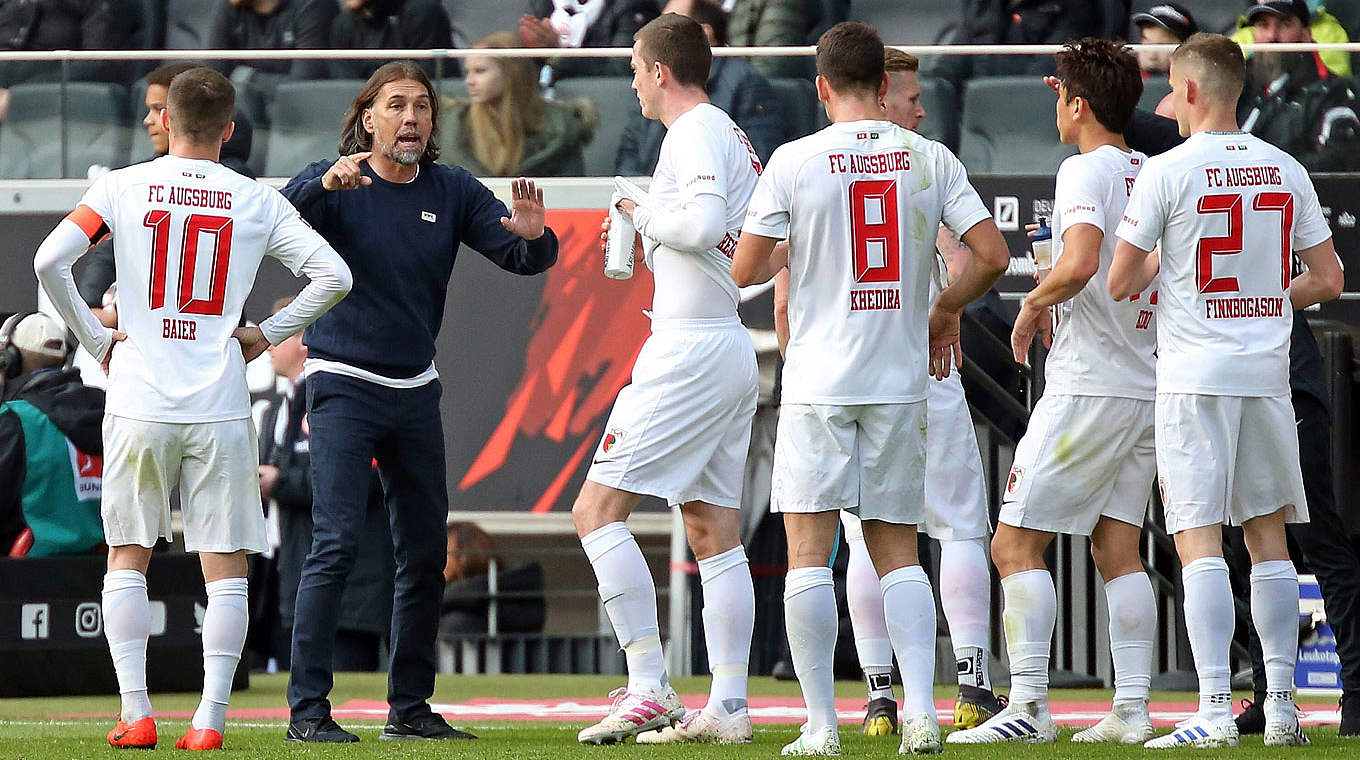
pixel 983 269
pixel 754 262
pixel 1324 279
pixel 1079 262
pixel 527 212
pixel 1131 271
pixel 781 309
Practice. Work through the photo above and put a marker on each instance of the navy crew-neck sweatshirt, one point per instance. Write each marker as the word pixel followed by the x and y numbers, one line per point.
pixel 400 241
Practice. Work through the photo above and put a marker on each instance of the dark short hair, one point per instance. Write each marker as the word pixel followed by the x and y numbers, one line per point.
pixel 201 103
pixel 1105 74
pixel 162 75
pixel 679 42
pixel 355 139
pixel 712 14
pixel 850 57
pixel 1221 59
pixel 895 60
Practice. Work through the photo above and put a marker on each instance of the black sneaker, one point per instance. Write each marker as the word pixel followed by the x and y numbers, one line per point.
pixel 975 705
pixel 880 717
pixel 429 726
pixel 1350 715
pixel 321 730
pixel 1253 718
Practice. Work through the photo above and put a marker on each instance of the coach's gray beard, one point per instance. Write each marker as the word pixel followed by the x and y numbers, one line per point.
pixel 403 156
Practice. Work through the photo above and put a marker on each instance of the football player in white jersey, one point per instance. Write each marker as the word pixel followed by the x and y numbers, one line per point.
pixel 956 501
pixel 860 203
pixel 1228 212
pixel 680 430
pixel 188 237
pixel 1086 463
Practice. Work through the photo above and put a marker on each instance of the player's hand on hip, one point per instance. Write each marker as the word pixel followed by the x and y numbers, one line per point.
pixel 944 342
pixel 252 340
pixel 118 336
pixel 345 173
pixel 527 212
pixel 1028 323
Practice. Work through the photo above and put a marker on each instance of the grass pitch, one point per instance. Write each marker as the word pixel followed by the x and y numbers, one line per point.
pixel 74 727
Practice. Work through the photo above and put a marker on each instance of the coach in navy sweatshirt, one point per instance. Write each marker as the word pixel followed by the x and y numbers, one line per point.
pixel 397 218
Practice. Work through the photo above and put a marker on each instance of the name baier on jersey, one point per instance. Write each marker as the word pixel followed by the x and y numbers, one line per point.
pixel 860 204
pixel 188 238
pixel 1229 210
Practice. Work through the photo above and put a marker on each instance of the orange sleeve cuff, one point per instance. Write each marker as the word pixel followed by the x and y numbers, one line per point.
pixel 89 222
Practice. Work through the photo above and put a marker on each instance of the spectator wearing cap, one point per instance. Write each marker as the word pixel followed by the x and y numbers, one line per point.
pixel 50 444
pixel 1162 24
pixel 1294 21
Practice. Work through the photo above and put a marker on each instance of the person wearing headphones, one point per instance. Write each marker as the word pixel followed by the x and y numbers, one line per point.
pixel 50 444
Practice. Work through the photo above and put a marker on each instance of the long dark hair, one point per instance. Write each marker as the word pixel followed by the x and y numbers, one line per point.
pixel 355 139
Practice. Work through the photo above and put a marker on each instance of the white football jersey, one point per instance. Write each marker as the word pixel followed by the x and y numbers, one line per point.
pixel 1229 211
pixel 188 237
pixel 1101 347
pixel 860 203
pixel 703 153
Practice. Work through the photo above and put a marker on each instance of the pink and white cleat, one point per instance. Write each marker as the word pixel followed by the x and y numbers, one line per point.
pixel 702 728
pixel 631 714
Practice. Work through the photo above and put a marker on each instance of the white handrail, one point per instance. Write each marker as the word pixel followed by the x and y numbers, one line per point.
pixel 610 52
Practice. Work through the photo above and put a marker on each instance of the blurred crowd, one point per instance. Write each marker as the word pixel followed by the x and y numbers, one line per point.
pixel 506 116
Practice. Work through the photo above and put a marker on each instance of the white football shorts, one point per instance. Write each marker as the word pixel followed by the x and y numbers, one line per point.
pixel 681 429
pixel 956 489
pixel 1227 459
pixel 215 465
pixel 1082 458
pixel 869 459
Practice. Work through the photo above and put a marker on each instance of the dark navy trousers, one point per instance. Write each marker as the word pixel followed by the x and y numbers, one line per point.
pixel 353 422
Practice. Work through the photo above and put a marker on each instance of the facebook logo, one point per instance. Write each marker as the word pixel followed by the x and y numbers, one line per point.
pixel 33 621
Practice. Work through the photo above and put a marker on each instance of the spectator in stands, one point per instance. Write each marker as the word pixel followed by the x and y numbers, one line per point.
pixel 67 25
pixel 1162 24
pixel 1289 21
pixel 467 594
pixel 376 24
pixel 286 490
pixel 733 85
pixel 768 23
pixel 586 24
pixel 278 25
pixel 505 128
pixel 50 444
pixel 1016 22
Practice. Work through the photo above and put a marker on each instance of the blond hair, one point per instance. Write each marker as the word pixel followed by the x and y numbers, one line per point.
pixel 895 60
pixel 495 131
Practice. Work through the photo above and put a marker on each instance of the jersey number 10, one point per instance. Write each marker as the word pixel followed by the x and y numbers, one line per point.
pixel 197 225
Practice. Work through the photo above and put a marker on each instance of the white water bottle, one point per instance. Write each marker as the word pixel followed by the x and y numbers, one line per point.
pixel 1041 244
pixel 619 245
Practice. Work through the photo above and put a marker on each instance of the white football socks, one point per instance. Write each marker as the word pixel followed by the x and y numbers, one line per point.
pixel 1030 613
pixel 729 620
pixel 864 597
pixel 1209 622
pixel 224 635
pixel 629 596
pixel 909 605
pixel 127 626
pixel 810 620
pixel 966 596
pixel 1275 612
pixel 1133 624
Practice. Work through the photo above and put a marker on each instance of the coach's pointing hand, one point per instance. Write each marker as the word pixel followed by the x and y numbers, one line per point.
pixel 345 173
pixel 527 213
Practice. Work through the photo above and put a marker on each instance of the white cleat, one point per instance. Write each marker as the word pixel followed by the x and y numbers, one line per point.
pixel 1017 723
pixel 1200 733
pixel 631 714
pixel 1285 733
pixel 1121 726
pixel 921 736
pixel 702 728
pixel 824 742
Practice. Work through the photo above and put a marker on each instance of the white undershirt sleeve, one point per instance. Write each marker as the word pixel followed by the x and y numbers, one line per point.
pixel 52 263
pixel 329 282
pixel 698 225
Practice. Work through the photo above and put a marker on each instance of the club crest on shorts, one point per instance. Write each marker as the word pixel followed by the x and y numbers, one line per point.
pixel 611 439
pixel 1013 481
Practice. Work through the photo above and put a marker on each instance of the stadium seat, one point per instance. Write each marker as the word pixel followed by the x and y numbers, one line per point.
pixel 186 23
pixel 942 112
pixel 921 22
pixel 96 130
pixel 798 100
pixel 474 19
pixel 306 124
pixel 1154 89
pixel 614 98
pixel 1008 127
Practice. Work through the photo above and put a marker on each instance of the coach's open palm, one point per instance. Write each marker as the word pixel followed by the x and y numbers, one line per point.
pixel 944 342
pixel 527 212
